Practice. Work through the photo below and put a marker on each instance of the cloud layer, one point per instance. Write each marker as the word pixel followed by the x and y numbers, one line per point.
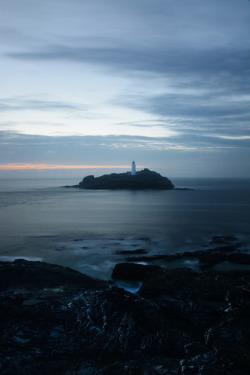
pixel 153 78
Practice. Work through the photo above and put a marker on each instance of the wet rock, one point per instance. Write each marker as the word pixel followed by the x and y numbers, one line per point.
pixel 232 334
pixel 133 271
pixel 214 303
pixel 212 362
pixel 220 239
pixel 137 251
pixel 64 322
pixel 207 259
pixel 23 273
pixel 210 259
pixel 135 367
pixel 200 297
pixel 151 258
pixel 54 320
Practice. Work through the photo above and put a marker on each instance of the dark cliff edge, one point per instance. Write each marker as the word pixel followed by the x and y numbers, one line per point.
pixel 55 320
pixel 143 180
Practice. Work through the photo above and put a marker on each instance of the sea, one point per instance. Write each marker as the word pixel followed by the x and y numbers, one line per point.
pixel 88 230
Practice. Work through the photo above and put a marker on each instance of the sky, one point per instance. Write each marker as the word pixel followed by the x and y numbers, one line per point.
pixel 90 85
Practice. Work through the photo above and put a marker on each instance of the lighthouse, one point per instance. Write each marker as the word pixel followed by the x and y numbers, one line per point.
pixel 133 169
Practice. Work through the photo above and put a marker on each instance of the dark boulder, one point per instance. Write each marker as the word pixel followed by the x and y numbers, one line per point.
pixel 133 271
pixel 63 322
pixel 40 274
pixel 56 320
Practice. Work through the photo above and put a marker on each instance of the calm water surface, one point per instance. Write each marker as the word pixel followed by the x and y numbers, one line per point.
pixel 86 229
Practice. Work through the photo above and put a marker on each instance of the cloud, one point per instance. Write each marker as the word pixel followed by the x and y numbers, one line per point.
pixel 42 166
pixel 172 59
pixel 199 83
pixel 21 104
pixel 178 154
pixel 209 105
pixel 156 79
pixel 91 148
pixel 235 137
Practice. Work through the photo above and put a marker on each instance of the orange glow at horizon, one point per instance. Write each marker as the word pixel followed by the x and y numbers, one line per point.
pixel 41 166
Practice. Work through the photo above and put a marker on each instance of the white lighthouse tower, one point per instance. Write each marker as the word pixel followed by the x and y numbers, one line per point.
pixel 133 169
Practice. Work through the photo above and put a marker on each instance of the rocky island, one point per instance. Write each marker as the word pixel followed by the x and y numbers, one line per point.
pixel 142 180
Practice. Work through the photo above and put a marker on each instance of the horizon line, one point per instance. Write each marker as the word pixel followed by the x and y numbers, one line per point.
pixel 41 166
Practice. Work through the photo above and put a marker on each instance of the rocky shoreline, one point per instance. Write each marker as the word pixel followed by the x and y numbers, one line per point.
pixel 55 320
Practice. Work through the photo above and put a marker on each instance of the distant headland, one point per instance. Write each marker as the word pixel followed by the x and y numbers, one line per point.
pixel 141 180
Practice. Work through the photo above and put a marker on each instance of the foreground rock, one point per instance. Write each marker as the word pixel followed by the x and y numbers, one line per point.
pixel 212 308
pixel 57 321
pixel 229 253
pixel 144 179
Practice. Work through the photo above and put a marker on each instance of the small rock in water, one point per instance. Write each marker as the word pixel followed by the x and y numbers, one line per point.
pixel 127 252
